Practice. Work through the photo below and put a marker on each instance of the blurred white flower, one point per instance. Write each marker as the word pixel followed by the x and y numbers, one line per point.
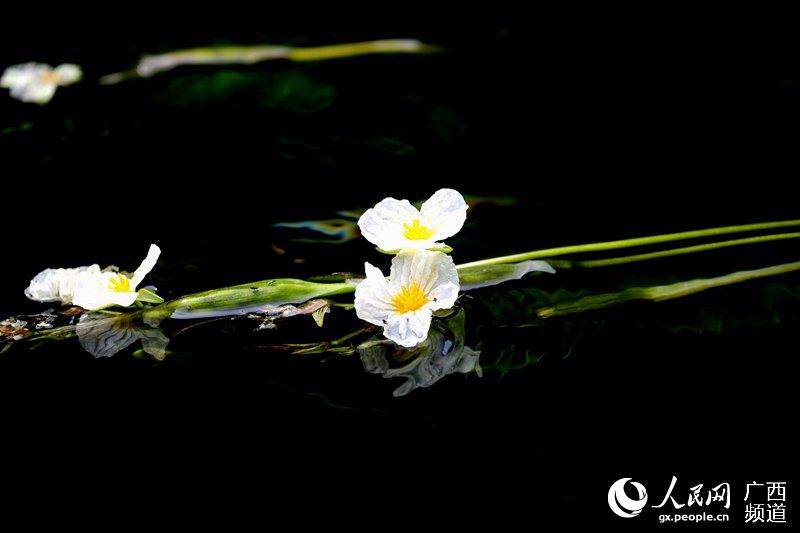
pixel 57 284
pixel 36 82
pixel 396 224
pixel 419 283
pixel 98 290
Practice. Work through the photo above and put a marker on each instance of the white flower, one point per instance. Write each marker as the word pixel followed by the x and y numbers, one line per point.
pixel 57 284
pixel 36 82
pixel 98 290
pixel 396 224
pixel 419 283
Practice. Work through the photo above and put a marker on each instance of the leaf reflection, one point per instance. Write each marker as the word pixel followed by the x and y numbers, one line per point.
pixel 443 353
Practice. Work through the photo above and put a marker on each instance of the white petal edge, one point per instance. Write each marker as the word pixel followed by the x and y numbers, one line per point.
pixel 147 265
pixel 372 299
pixel 446 212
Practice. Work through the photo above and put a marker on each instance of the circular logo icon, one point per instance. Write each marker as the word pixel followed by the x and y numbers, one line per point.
pixel 621 504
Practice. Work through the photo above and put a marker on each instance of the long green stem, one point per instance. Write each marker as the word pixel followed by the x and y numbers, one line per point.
pixel 660 293
pixel 629 243
pixel 593 263
pixel 248 55
pixel 257 296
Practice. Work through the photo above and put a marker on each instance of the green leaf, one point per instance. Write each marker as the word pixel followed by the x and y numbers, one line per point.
pixel 150 297
pixel 319 315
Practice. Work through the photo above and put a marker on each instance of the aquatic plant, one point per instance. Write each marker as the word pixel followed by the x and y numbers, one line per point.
pixel 37 83
pixel 413 320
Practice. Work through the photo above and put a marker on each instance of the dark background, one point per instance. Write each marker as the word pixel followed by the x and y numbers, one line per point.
pixel 602 128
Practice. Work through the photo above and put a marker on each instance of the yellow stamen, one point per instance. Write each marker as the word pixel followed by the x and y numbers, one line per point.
pixel 49 76
pixel 120 283
pixel 416 231
pixel 409 299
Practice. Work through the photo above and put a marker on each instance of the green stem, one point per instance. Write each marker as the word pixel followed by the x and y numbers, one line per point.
pixel 248 55
pixel 629 243
pixel 337 51
pixel 660 293
pixel 673 251
pixel 257 296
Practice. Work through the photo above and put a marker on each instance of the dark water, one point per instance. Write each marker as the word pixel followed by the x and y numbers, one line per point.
pixel 569 137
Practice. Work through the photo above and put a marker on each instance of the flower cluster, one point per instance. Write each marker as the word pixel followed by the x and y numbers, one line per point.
pixel 421 280
pixel 36 82
pixel 89 286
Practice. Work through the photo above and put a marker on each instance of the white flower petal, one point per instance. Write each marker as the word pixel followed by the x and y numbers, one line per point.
pixel 56 284
pixel 445 212
pixel 19 75
pixel 93 292
pixel 146 266
pixel 372 299
pixel 444 296
pixel 68 74
pixel 66 289
pixel 44 286
pixel 408 329
pixel 36 92
pixel 382 225
pixel 425 268
pixel 403 269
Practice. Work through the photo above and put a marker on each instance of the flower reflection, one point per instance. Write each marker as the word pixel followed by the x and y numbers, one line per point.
pixel 103 335
pixel 442 353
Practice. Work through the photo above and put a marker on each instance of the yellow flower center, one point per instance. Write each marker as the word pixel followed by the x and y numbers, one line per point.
pixel 120 283
pixel 409 299
pixel 49 76
pixel 416 231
